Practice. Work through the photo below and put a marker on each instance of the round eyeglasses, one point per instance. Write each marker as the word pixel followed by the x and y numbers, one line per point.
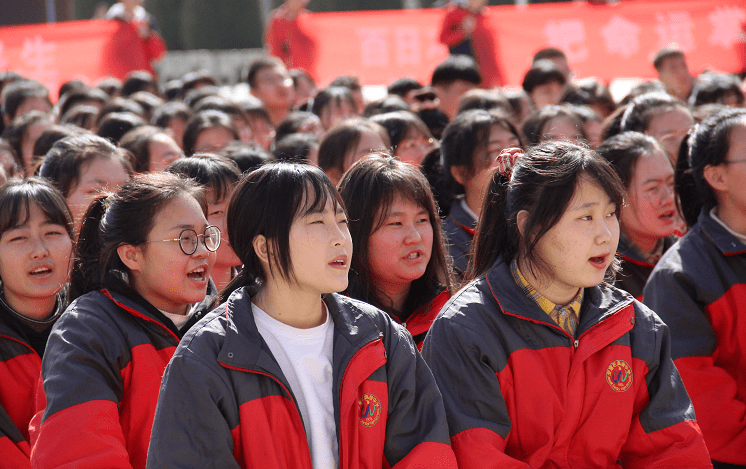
pixel 189 238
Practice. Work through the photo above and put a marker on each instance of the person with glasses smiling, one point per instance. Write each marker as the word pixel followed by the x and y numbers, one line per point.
pixel 698 287
pixel 139 282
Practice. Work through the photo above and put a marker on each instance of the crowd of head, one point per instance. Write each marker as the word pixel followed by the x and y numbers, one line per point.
pixel 553 189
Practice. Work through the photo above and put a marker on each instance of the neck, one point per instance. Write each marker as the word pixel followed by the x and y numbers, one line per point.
pixel 277 115
pixel 396 294
pixel 38 309
pixel 302 310
pixel 546 286
pixel 732 216
pixel 644 243
pixel 221 275
pixel 473 199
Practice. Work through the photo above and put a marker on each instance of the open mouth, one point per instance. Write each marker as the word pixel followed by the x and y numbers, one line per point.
pixel 414 255
pixel 340 262
pixel 39 271
pixel 598 261
pixel 668 217
pixel 200 273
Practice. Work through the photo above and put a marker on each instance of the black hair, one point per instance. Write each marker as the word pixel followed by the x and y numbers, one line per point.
pixel 217 174
pixel 402 86
pixel 400 125
pixel 548 53
pixel 260 64
pixel 197 78
pixel 297 74
pixel 350 82
pixel 716 88
pixel 193 97
pixel 456 67
pixel 543 183
pixel 120 104
pixel 643 88
pixel 541 73
pixel 163 115
pixel 623 151
pixel 590 92
pixel 267 202
pixel 465 137
pixel 17 195
pixel 110 85
pixel 80 96
pixel 14 94
pixel 126 217
pixel 641 110
pixel 369 189
pixel 49 137
pixel 533 127
pixel 246 156
pixel 17 131
pixel 331 96
pixel 292 123
pixel 82 116
pixel 148 101
pixel 708 145
pixel 295 147
pixel 486 100
pixel 114 125
pixel 206 120
pixel 342 139
pixel 138 80
pixel 137 141
pixel 666 53
pixel 65 161
pixel 391 103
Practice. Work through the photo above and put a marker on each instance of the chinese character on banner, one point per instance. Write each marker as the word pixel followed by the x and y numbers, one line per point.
pixel 620 27
pixel 568 35
pixel 726 26
pixel 407 46
pixel 675 28
pixel 374 46
pixel 38 56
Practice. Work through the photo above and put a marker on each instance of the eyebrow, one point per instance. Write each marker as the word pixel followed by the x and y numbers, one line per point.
pixel 663 179
pixel 184 226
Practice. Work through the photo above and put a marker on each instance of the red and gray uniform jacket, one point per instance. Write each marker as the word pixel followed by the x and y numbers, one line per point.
pixel 101 373
pixel 420 321
pixel 20 368
pixel 635 270
pixel 699 289
pixel 225 402
pixel 459 229
pixel 520 392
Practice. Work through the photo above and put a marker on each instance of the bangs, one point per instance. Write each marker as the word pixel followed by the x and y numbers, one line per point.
pixel 316 194
pixel 16 199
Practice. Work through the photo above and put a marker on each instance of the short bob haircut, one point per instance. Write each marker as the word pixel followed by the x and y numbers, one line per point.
pixel 542 72
pixel 206 120
pixel 645 107
pixel 68 157
pixel 217 174
pixel 369 189
pixel 543 183
pixel 343 139
pixel 624 150
pixel 465 135
pixel 332 96
pixel 137 141
pixel 17 195
pixel 401 125
pixel 267 202
pixel 533 127
pixel 126 217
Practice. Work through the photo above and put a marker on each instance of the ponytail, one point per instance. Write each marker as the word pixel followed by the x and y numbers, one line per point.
pixel 86 274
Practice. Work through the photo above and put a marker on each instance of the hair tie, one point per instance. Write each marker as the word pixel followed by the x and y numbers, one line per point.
pixel 506 161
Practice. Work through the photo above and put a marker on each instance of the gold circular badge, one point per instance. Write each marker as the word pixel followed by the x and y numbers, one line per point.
pixel 619 375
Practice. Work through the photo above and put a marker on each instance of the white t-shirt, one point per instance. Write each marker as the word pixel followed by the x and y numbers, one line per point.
pixel 180 319
pixel 305 357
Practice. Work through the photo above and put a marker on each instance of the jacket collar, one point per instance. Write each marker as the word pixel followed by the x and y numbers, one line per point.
pixel 353 328
pixel 599 302
pixel 459 215
pixel 728 244
pixel 630 253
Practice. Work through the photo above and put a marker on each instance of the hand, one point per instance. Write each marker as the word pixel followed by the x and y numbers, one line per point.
pixel 468 25
pixel 506 161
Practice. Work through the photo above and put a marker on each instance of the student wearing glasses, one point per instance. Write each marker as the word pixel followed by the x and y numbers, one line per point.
pixel 138 283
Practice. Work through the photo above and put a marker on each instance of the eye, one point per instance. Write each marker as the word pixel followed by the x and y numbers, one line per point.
pixel 586 218
pixel 612 214
pixel 16 239
pixel 216 213
pixel 54 233
pixel 344 221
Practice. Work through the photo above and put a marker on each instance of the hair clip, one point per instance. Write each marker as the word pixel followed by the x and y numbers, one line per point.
pixel 506 161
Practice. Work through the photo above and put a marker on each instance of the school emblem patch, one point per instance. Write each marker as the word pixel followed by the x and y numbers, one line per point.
pixel 369 410
pixel 619 375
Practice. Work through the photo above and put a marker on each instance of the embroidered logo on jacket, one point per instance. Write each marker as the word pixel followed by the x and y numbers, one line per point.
pixel 619 375
pixel 369 408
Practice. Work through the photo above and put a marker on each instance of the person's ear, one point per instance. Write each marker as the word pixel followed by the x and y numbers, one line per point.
pixel 261 249
pixel 460 174
pixel 131 256
pixel 716 177
pixel 521 219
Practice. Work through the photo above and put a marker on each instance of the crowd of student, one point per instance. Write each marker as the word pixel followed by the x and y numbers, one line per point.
pixel 448 275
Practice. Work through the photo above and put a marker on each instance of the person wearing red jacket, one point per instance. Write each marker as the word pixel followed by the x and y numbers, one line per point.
pixel 541 364
pixel 284 36
pixel 36 233
pixel 401 264
pixel 466 30
pixel 139 282
pixel 699 287
pixel 286 373
pixel 132 11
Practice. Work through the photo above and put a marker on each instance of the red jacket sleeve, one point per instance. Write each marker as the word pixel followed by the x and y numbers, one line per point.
pixel 451 33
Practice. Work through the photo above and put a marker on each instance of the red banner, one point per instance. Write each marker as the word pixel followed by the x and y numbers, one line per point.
pixel 605 41
pixel 86 50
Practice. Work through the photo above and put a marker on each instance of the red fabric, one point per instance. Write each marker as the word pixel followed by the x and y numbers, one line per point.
pixel 19 376
pixel 286 37
pixel 483 40
pixel 14 456
pixel 422 319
